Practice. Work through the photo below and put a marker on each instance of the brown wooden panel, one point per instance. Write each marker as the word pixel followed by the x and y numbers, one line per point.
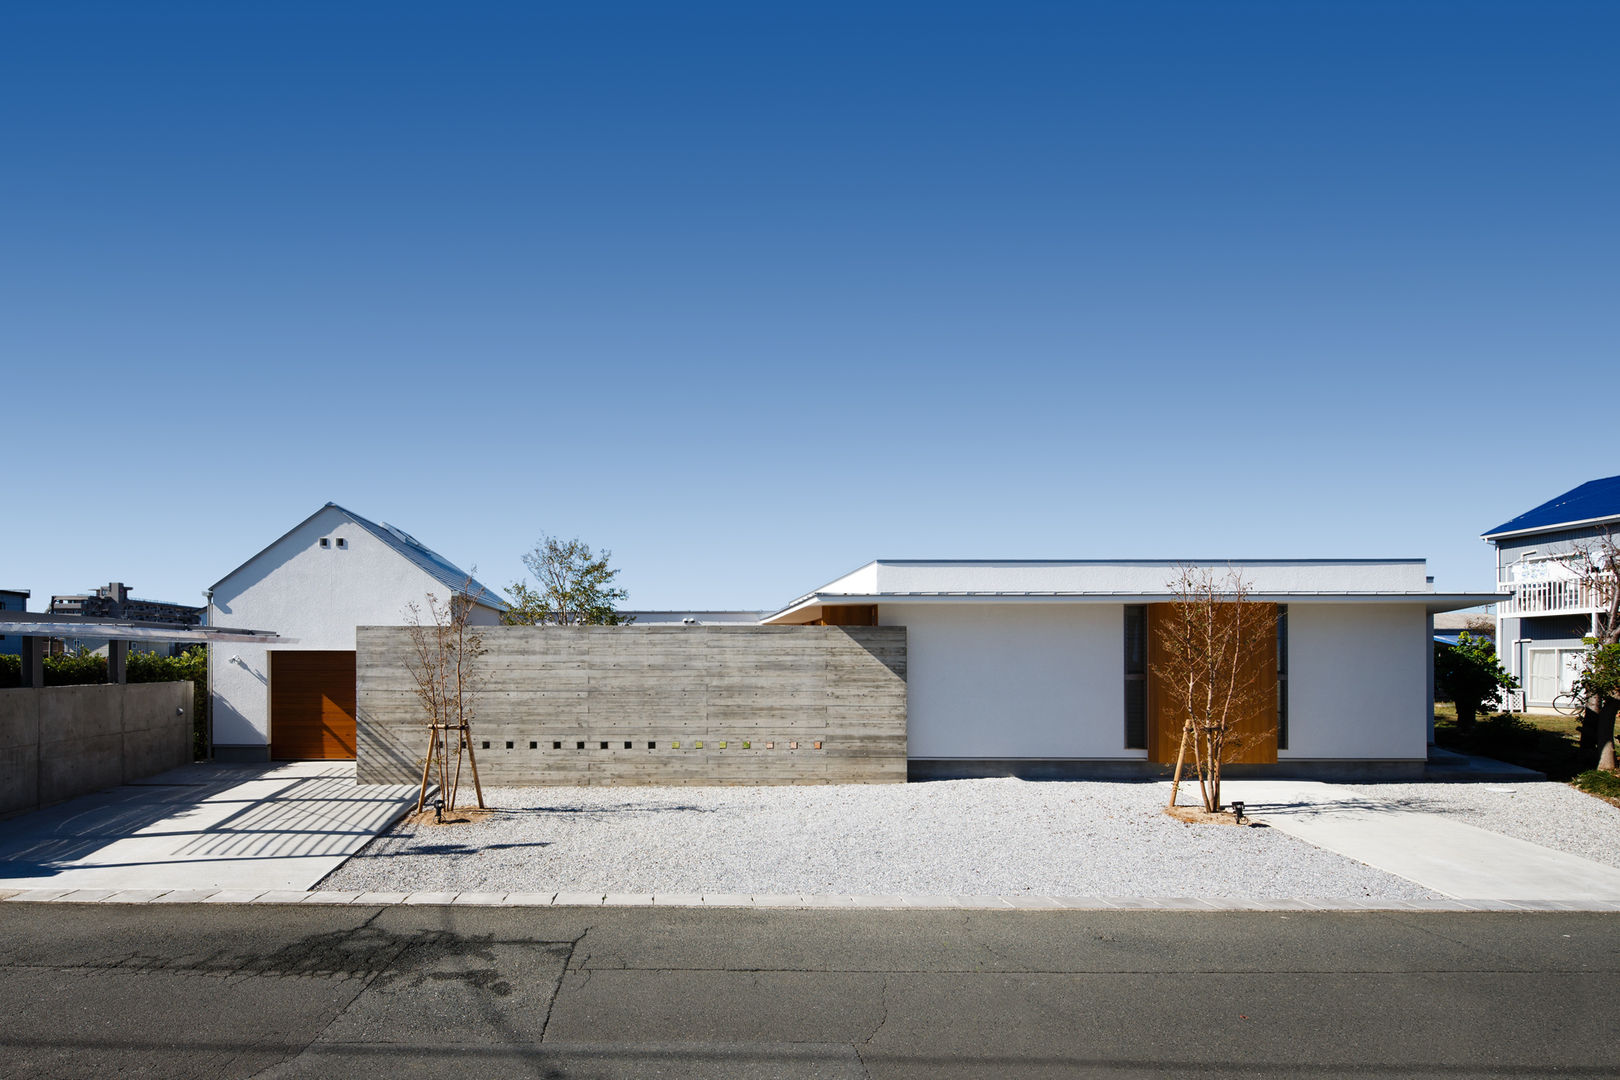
pixel 312 701
pixel 848 615
pixel 1258 731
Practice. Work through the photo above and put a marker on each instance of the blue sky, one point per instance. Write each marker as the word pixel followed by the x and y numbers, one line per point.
pixel 752 295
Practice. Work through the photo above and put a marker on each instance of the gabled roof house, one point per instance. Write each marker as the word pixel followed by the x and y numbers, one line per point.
pixel 1540 623
pixel 330 573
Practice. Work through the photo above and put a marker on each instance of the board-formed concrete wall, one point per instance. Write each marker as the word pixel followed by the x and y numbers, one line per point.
pixel 696 705
pixel 59 742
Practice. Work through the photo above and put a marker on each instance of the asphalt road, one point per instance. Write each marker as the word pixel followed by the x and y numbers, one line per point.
pixel 305 991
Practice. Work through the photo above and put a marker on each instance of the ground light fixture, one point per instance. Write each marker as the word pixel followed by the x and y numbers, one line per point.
pixel 1237 809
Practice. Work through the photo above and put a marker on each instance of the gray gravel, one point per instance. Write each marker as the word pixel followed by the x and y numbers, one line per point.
pixel 961 837
pixel 1546 813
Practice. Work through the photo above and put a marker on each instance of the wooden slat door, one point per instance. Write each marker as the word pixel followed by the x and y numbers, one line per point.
pixel 1259 732
pixel 312 703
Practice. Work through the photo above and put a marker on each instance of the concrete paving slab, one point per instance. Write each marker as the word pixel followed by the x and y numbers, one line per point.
pixel 324 897
pixel 727 900
pixel 530 899
pixel 281 826
pixel 1440 853
pixel 280 896
pixel 133 896
pixel 480 899
pixel 1035 902
pixel 677 899
pixel 875 901
pixel 578 899
pixel 778 900
pixel 85 896
pixel 184 896
pixel 980 902
pixel 430 898
pixel 36 896
pixel 380 898
pixel 234 896
pixel 615 899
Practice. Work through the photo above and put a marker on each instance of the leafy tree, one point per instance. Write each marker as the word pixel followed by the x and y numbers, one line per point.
pixel 1470 674
pixel 1597 563
pixel 575 587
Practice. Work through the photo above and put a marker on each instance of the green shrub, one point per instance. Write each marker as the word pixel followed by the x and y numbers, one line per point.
pixel 10 671
pixel 1598 782
pixel 1469 674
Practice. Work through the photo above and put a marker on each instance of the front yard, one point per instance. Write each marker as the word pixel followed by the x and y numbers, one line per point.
pixel 1548 743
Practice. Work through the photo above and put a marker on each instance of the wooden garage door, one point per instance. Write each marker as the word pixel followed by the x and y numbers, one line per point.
pixel 311 705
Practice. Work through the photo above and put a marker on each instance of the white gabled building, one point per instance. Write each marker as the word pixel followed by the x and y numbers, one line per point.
pixel 1041 667
pixel 330 573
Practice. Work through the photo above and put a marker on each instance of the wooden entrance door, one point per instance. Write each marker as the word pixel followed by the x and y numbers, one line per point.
pixel 311 704
pixel 1258 731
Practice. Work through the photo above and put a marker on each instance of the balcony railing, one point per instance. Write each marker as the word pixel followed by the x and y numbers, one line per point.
pixel 1555 596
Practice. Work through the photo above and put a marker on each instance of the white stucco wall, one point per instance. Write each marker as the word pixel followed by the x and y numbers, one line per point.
pixel 318 596
pixel 1013 681
pixel 1016 681
pixel 1358 681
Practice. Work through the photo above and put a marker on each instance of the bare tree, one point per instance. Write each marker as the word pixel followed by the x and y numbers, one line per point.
pixel 1596 565
pixel 445 666
pixel 1217 668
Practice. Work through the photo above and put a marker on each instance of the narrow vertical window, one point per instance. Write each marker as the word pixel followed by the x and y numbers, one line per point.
pixel 1282 676
pixel 1135 677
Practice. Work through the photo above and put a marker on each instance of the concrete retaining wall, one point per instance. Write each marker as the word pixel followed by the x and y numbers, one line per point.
pixel 696 705
pixel 59 742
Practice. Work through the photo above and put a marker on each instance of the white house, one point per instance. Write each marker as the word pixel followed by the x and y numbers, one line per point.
pixel 333 571
pixel 1036 667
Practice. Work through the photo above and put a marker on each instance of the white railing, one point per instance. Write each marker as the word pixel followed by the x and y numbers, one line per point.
pixel 1557 596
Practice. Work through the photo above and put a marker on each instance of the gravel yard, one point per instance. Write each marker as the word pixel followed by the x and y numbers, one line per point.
pixel 1546 813
pixel 959 837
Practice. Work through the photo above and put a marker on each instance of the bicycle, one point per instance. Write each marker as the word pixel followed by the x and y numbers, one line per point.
pixel 1569 704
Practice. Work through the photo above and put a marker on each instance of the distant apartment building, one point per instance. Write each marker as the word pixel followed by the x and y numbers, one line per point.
pixel 112 601
pixel 12 600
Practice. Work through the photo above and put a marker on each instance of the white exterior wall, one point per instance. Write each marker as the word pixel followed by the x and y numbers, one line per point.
pixel 1013 681
pixel 318 596
pixel 1023 681
pixel 1358 679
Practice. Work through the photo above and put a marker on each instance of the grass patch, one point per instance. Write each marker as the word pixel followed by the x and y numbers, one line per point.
pixel 1605 785
pixel 1548 744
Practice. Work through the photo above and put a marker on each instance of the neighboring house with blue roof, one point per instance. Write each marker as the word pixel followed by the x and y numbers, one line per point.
pixel 1539 626
pixel 330 573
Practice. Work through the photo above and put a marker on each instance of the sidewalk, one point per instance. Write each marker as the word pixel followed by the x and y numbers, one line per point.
pixel 202 827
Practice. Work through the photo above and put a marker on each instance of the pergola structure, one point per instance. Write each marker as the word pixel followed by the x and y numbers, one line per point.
pixel 36 628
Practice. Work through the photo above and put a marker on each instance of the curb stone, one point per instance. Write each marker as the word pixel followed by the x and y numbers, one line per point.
pixel 838 901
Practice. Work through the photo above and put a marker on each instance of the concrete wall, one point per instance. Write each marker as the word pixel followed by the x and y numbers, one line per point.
pixel 1358 682
pixel 1014 681
pixel 734 699
pixel 318 596
pixel 59 742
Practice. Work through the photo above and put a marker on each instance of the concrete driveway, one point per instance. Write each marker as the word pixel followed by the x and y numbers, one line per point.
pixel 1451 857
pixel 280 826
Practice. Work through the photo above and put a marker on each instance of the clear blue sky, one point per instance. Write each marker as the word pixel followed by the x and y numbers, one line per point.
pixel 754 294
